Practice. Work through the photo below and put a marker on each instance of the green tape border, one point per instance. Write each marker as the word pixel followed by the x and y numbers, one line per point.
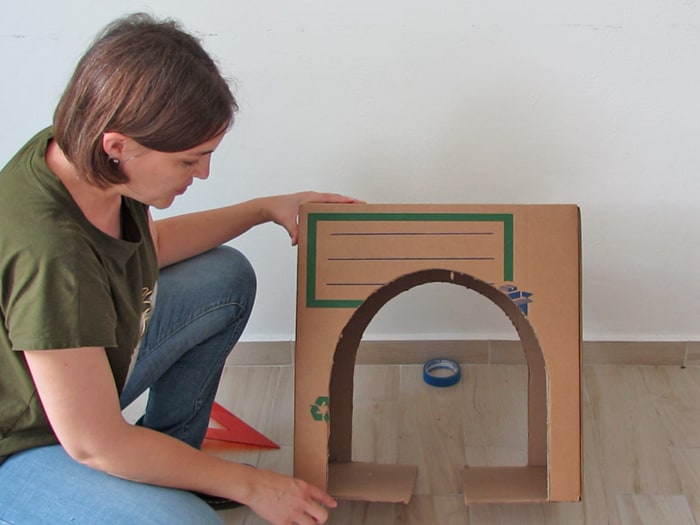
pixel 312 231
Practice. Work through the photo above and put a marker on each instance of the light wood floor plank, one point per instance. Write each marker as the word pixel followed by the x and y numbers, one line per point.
pixel 597 508
pixel 506 515
pixel 494 406
pixel 443 510
pixel 687 463
pixel 262 396
pixel 375 427
pixel 375 414
pixel 646 509
pixel 361 513
pixel 634 443
pixel 676 394
pixel 431 433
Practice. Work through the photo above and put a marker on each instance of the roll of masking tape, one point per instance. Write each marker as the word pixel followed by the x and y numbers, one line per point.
pixel 441 372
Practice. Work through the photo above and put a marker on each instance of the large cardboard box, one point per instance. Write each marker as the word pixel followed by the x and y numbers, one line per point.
pixel 355 258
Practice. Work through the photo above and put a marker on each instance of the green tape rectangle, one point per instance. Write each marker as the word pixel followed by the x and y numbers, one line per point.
pixel 315 218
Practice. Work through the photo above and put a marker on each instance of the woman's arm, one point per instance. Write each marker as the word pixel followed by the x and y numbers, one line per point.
pixel 81 402
pixel 184 236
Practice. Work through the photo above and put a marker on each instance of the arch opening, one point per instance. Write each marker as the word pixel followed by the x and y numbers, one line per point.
pixel 342 374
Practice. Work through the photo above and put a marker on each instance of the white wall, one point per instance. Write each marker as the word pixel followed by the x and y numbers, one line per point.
pixel 594 103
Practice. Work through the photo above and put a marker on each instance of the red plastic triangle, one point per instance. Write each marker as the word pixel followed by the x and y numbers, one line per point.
pixel 235 430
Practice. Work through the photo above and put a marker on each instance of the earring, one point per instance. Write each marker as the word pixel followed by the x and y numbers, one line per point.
pixel 114 162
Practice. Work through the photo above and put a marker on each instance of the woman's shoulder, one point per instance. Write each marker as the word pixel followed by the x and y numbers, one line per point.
pixel 23 178
pixel 33 201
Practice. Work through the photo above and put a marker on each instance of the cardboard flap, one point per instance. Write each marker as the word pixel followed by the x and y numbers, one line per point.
pixel 498 484
pixel 371 482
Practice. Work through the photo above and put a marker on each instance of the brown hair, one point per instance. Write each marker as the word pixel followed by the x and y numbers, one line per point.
pixel 149 80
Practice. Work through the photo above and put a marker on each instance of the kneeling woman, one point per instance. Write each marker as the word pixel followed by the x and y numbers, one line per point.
pixel 100 303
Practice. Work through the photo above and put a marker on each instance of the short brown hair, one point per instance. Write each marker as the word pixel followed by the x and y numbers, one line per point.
pixel 149 80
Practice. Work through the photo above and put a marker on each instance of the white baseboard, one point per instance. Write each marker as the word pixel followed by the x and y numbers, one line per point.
pixel 674 353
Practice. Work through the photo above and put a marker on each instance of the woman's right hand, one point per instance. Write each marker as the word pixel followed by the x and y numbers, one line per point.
pixel 283 500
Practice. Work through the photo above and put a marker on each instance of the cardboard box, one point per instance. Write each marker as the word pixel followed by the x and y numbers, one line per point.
pixel 353 259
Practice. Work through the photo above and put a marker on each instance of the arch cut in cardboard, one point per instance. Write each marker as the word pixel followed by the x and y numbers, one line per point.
pixel 355 258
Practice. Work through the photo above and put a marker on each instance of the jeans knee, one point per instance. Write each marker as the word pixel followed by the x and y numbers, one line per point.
pixel 221 281
pixel 234 273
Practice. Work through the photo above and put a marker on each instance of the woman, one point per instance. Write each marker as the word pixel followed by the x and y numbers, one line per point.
pixel 89 323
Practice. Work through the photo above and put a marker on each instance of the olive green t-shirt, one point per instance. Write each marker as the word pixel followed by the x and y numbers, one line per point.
pixel 63 284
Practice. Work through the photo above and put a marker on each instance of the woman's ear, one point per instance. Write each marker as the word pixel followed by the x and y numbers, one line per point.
pixel 114 144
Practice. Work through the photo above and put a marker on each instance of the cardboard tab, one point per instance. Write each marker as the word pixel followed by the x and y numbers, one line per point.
pixel 372 482
pixel 511 484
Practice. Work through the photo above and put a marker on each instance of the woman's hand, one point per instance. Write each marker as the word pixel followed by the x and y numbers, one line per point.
pixel 284 209
pixel 283 500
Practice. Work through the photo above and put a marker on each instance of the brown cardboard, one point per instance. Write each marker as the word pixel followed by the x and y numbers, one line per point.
pixel 371 482
pixel 353 259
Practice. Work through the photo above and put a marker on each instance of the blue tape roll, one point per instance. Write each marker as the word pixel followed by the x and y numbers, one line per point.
pixel 441 372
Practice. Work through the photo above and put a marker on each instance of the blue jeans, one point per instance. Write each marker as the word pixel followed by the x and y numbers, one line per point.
pixel 202 307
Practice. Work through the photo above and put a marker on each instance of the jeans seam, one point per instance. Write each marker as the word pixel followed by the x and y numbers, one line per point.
pixel 235 333
pixel 176 330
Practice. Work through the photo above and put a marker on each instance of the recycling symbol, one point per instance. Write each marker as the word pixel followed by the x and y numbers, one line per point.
pixel 319 410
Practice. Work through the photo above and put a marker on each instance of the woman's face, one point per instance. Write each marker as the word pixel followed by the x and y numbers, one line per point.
pixel 156 178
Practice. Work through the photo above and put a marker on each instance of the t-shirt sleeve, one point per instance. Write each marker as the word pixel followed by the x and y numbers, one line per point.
pixel 59 297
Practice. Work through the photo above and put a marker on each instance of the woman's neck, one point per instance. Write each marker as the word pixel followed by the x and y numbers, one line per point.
pixel 101 206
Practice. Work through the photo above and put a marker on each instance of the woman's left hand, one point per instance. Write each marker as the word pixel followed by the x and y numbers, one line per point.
pixel 284 209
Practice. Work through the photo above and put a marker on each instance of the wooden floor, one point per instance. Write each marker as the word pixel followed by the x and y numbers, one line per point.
pixel 641 440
